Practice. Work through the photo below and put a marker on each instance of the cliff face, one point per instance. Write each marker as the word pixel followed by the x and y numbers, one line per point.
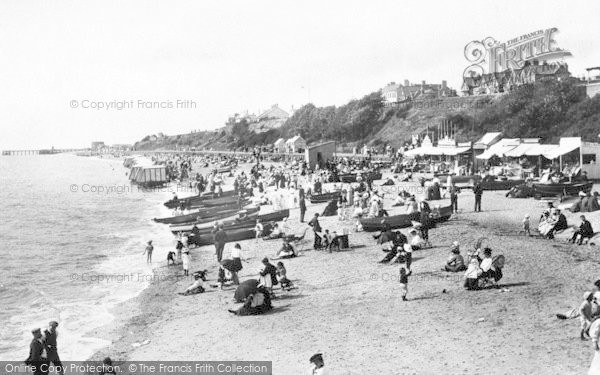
pixel 547 109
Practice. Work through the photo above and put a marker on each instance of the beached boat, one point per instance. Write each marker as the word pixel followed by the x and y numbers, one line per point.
pixel 172 203
pixel 544 189
pixel 199 218
pixel 200 214
pixel 197 202
pixel 325 197
pixel 403 220
pixel 500 184
pixel 233 235
pixel 248 221
pixel 351 177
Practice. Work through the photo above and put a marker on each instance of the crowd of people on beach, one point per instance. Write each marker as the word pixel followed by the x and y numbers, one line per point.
pixel 290 185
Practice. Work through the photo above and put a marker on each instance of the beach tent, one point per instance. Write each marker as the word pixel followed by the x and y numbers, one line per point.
pixel 149 175
pixel 565 146
pixel 538 150
pixel 500 148
pixel 522 149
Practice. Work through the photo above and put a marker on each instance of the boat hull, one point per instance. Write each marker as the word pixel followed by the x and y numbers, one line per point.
pixel 351 177
pixel 233 235
pixel 321 198
pixel 199 198
pixel 403 220
pixel 547 190
pixel 200 214
pixel 236 224
pixel 199 219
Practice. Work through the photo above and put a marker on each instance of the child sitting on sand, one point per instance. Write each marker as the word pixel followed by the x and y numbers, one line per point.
pixel 403 283
pixel 282 276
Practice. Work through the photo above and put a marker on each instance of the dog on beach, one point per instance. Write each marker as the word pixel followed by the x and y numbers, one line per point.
pixel 171 258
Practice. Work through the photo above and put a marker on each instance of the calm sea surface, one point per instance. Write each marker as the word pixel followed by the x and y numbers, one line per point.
pixel 72 235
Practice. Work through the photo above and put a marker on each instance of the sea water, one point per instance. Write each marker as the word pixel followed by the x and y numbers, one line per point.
pixel 72 233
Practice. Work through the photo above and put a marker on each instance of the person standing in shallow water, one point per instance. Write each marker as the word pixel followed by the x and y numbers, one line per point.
pixel 148 251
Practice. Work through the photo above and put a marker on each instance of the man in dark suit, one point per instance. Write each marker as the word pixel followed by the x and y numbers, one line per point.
pixel 50 336
pixel 585 231
pixel 220 238
pixel 38 354
pixel 478 190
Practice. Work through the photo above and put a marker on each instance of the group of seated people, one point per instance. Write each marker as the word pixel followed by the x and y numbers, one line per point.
pixel 258 293
pixel 587 203
pixel 399 247
pixel 552 221
pixel 483 269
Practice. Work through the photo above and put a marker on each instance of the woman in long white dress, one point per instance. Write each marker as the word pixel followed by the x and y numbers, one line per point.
pixel 186 261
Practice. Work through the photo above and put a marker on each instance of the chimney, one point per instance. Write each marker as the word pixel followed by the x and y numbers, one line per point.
pixel 423 83
pixel 444 85
pixel 406 83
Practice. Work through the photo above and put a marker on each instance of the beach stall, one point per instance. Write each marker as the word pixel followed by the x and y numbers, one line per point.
pixel 572 151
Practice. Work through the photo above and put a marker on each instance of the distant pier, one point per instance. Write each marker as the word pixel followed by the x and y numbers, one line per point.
pixel 40 152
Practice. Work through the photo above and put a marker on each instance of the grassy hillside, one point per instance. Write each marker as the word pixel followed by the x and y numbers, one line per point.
pixel 548 109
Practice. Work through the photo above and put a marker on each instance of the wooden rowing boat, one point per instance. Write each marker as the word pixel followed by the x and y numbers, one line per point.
pixel 199 218
pixel 561 189
pixel 233 235
pixel 404 220
pixel 351 177
pixel 249 221
pixel 200 214
pixel 173 203
pixel 325 197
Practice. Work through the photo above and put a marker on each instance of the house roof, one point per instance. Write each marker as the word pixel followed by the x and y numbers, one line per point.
pixel 295 139
pixel 279 141
pixel 273 112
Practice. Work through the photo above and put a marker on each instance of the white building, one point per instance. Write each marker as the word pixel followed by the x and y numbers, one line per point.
pixel 295 144
pixel 279 145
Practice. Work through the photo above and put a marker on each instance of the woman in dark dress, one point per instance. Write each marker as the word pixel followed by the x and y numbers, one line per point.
pixel 425 222
pixel 233 265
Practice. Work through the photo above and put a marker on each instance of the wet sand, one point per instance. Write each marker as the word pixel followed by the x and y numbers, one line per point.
pixel 348 306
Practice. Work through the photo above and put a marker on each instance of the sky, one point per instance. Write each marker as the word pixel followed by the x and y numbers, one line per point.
pixel 62 60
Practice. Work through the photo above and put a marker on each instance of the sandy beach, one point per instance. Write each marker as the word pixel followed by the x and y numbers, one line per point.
pixel 348 307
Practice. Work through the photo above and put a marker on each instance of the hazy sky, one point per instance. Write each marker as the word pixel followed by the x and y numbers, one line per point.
pixel 231 56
